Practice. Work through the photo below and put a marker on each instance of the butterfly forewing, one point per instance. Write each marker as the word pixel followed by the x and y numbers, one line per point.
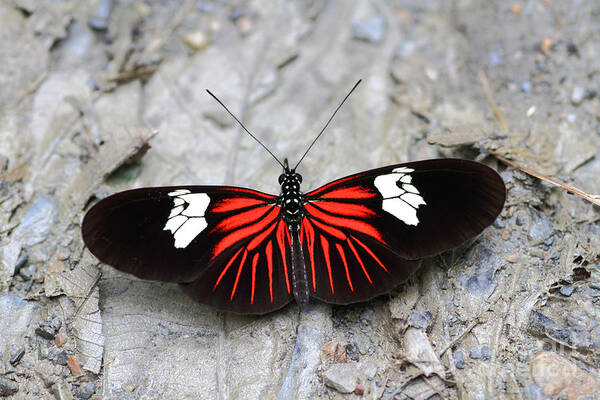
pixel 226 245
pixel 360 232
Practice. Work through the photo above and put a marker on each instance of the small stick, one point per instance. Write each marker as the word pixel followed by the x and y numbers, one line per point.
pixel 594 199
pixel 88 294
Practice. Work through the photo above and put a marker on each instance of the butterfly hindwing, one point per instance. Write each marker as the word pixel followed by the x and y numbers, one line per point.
pixel 372 224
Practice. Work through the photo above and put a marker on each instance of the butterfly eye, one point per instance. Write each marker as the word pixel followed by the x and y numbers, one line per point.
pixel 281 178
pixel 299 178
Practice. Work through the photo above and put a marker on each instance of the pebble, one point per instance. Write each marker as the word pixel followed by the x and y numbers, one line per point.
pixel 196 40
pixel 526 86
pixel 578 95
pixel 16 354
pixel 557 376
pixel 62 391
pixel 420 319
pixel 343 377
pixel 62 357
pixel 541 230
pixel 49 327
pixel 567 291
pixel 86 390
pixel 359 390
pixel 8 387
pixel 370 30
pixel 28 272
pixel 474 353
pixel 101 17
pixel 459 360
pixel 486 353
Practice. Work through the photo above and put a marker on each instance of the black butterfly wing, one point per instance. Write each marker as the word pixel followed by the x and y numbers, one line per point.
pixel 225 245
pixel 369 226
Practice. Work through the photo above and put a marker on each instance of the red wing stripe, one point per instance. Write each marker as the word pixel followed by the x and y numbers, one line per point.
pixel 353 192
pixel 310 243
pixel 329 185
pixel 225 269
pixel 350 209
pixel 331 230
pixel 235 203
pixel 340 250
pixel 269 251
pixel 359 260
pixel 325 245
pixel 281 242
pixel 242 218
pixel 237 277
pixel 243 233
pixel 254 262
pixel 258 239
pixel 364 246
pixel 353 224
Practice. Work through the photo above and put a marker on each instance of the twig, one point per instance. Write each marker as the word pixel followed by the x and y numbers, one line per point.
pixel 594 199
pixel 469 328
pixel 88 294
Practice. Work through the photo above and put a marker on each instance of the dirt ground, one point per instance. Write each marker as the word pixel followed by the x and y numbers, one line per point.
pixel 87 85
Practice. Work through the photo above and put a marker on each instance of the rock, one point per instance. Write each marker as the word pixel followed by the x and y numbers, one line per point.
pixel 485 264
pixel 8 387
pixel 541 231
pixel 459 360
pixel 28 272
pixel 16 354
pixel 62 391
pixel 37 222
pixel 370 30
pixel 475 353
pixel 101 17
pixel 420 319
pixel 15 317
pixel 486 353
pixel 49 327
pixel 86 390
pixel 578 95
pixel 567 291
pixel 343 377
pixel 558 376
pixel 62 357
pixel 359 389
pixel 534 392
pixel 196 40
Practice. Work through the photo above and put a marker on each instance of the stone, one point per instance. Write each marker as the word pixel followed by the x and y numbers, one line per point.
pixel 370 30
pixel 459 360
pixel 558 376
pixel 8 387
pixel 420 319
pixel 343 377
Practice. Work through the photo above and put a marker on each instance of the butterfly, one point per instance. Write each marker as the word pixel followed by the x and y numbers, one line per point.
pixel 243 251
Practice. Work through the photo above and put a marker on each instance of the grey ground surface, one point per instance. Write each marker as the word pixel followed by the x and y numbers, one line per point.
pixel 513 314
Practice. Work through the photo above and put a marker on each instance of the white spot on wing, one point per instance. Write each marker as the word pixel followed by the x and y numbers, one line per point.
pixel 175 211
pixel 401 210
pixel 186 219
pixel 174 223
pixel 197 204
pixel 413 199
pixel 401 202
pixel 188 231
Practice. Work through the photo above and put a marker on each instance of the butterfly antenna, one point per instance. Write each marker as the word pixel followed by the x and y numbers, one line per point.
pixel 243 127
pixel 327 124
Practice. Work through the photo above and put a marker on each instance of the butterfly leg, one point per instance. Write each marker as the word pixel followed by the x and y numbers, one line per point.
pixel 299 277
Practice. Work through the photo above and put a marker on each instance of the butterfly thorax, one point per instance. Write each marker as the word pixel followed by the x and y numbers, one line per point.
pixel 291 198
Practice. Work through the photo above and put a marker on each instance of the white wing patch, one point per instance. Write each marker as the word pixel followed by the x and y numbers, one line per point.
pixel 400 198
pixel 186 219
